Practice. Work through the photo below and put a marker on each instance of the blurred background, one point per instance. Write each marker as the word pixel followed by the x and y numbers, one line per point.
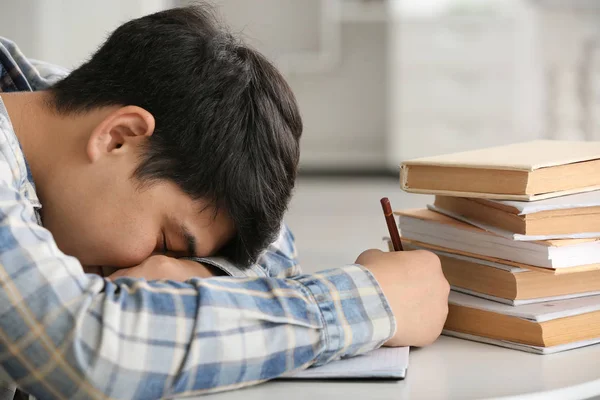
pixel 378 82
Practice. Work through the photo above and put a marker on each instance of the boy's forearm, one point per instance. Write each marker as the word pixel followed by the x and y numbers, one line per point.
pixel 150 338
pixel 67 334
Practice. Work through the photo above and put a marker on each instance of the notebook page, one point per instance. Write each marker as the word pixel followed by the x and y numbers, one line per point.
pixel 383 363
pixel 579 200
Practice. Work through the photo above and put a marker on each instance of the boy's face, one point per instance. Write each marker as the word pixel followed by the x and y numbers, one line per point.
pixel 120 226
pixel 98 213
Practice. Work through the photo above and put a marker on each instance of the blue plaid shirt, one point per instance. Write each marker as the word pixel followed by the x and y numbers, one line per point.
pixel 69 335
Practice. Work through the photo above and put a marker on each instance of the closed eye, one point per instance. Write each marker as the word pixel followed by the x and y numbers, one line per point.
pixel 189 240
pixel 165 249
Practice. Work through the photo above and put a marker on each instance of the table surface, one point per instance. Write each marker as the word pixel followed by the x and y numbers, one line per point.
pixel 457 369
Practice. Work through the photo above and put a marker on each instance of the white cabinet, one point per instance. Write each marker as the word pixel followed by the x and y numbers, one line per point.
pixel 460 82
pixel 570 43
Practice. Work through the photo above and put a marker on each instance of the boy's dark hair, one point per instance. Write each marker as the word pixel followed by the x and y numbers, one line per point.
pixel 227 123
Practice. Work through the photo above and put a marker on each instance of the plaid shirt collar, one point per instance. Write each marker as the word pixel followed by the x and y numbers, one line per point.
pixel 12 76
pixel 19 74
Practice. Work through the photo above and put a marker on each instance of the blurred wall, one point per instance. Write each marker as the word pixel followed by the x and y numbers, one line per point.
pixel 570 47
pixel 381 81
pixel 334 55
pixel 464 78
pixel 66 32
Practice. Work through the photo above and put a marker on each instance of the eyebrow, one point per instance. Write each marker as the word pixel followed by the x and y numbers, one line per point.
pixel 190 240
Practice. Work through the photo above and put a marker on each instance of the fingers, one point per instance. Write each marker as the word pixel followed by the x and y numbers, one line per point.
pixel 368 256
pixel 371 252
pixel 107 271
pixel 121 273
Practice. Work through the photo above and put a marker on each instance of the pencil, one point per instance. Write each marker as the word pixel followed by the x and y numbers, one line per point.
pixel 391 224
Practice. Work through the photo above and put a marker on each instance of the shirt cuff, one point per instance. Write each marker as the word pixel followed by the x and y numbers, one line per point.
pixel 357 317
pixel 229 268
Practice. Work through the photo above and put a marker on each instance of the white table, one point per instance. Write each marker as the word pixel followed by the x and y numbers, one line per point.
pixel 457 369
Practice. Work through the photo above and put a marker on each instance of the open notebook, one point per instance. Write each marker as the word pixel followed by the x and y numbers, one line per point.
pixel 383 363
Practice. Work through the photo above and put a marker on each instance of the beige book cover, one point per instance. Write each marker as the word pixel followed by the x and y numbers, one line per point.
pixel 546 324
pixel 520 346
pixel 539 312
pixel 515 158
pixel 527 156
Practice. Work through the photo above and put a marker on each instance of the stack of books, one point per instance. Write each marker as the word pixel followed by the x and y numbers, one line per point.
pixel 517 229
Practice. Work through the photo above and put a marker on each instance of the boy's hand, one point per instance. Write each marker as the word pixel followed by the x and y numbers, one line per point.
pixel 417 291
pixel 164 267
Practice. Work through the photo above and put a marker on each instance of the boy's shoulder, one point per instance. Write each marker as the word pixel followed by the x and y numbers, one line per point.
pixel 19 73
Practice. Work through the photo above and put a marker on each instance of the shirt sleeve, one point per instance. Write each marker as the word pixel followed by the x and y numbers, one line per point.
pixel 65 334
pixel 280 259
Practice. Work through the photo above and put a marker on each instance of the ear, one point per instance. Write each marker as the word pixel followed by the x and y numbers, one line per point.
pixel 118 130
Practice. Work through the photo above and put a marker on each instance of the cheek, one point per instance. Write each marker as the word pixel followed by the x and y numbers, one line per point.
pixel 130 253
pixel 128 244
pixel 105 220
